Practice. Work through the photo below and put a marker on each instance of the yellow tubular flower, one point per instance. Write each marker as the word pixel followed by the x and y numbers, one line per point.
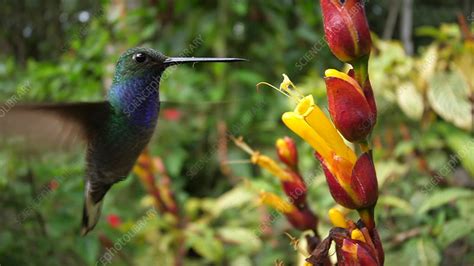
pixel 271 166
pixel 311 124
pixel 276 202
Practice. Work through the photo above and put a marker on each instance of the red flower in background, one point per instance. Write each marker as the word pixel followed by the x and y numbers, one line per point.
pixel 114 220
pixel 172 114
pixel 53 184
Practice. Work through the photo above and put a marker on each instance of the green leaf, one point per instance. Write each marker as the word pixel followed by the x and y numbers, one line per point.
pixel 6 239
pixel 428 253
pixel 453 230
pixel 461 142
pixel 410 100
pixel 397 203
pixel 466 209
pixel 206 245
pixel 242 237
pixel 89 248
pixel 428 31
pixel 426 66
pixel 241 261
pixel 233 199
pixel 175 160
pixel 390 168
pixel 448 95
pixel 404 148
pixel 416 252
pixel 442 197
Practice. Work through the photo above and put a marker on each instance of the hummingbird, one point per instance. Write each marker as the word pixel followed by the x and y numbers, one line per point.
pixel 114 132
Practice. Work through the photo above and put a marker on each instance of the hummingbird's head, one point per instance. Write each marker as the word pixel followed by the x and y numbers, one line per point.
pixel 138 62
pixel 135 86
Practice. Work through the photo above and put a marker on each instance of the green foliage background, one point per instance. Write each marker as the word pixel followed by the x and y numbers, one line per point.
pixel 425 212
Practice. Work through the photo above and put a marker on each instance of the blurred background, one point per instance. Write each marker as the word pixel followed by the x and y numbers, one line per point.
pixel 421 70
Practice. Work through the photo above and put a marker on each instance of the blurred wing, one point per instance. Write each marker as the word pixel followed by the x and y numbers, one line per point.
pixel 52 125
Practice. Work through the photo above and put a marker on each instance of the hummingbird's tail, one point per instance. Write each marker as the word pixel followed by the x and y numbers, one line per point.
pixel 94 194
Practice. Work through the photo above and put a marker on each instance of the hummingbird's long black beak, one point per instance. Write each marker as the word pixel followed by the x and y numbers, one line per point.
pixel 170 61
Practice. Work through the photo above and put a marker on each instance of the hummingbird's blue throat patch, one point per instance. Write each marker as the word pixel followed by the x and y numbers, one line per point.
pixel 137 99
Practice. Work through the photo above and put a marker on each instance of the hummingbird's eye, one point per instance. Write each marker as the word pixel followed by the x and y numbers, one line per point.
pixel 139 57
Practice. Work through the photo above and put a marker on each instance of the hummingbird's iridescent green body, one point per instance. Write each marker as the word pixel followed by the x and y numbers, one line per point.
pixel 116 131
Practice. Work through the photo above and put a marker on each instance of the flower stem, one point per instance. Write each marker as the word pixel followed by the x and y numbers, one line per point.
pixel 364 146
pixel 367 216
pixel 361 69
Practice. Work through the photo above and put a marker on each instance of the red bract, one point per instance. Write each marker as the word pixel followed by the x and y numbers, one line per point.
pixel 346 28
pixel 295 189
pixel 378 245
pixel 352 109
pixel 358 191
pixel 354 246
pixel 368 92
pixel 354 252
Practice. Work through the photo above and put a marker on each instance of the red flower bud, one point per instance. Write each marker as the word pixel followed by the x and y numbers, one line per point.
pixel 346 29
pixel 303 219
pixel 295 189
pixel 360 190
pixel 286 150
pixel 352 108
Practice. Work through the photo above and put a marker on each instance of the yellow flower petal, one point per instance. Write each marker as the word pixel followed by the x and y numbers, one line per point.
pixel 337 218
pixel 276 202
pixel 324 127
pixel 356 234
pixel 297 124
